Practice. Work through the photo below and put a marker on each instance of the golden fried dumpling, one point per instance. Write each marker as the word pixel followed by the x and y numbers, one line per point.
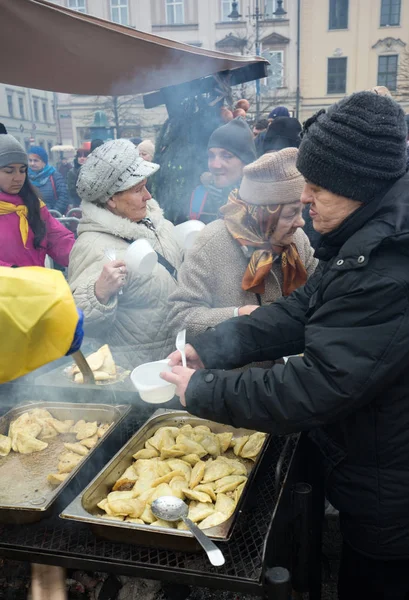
pixel 131 507
pixel 40 413
pixel 199 511
pixel 98 376
pixel 238 492
pixel 196 495
pixel 216 470
pixel 87 430
pixel 209 441
pixel 25 424
pixel 59 426
pixel 146 453
pixel 77 426
pixel 162 523
pixel 197 475
pixel 108 364
pixel 102 429
pixel 141 486
pixel 126 481
pixel 120 495
pixel 147 516
pixel 178 465
pixel 224 440
pixel 163 438
pixel 191 459
pixel 177 486
pixel 68 461
pixel 162 467
pixel 47 430
pixel 225 505
pixel 202 429
pixel 207 488
pixel 26 444
pixel 253 446
pixel 5 445
pixel 57 478
pixel 216 518
pixel 173 452
pixel 189 446
pixel 163 489
pixel 229 483
pixel 90 442
pixel 167 478
pixel 77 448
pixel 103 504
pixel 182 526
pixel 239 444
pixel 136 521
pixel 112 517
pixel 186 429
pixel 238 467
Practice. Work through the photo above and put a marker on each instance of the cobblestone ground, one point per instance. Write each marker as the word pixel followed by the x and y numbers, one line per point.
pixel 15 580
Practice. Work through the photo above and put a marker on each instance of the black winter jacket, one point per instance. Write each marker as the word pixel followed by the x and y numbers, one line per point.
pixel 351 387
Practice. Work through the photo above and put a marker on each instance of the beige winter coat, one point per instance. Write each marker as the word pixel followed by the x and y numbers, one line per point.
pixel 134 324
pixel 210 279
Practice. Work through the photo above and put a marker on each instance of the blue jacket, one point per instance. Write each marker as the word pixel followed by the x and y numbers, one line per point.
pixel 55 196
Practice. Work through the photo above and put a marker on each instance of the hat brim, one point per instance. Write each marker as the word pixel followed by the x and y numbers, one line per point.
pixel 137 174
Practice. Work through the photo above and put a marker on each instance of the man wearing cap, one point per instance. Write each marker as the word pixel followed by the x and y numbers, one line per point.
pixel 350 389
pixel 230 148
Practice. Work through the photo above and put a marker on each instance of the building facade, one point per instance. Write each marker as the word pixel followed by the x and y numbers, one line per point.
pixel 29 115
pixel 349 46
pixel 201 24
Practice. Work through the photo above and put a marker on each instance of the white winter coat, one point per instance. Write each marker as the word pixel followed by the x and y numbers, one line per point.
pixel 135 323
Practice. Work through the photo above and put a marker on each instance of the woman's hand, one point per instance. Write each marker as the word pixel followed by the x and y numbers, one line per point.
pixel 192 358
pixel 111 280
pixel 247 310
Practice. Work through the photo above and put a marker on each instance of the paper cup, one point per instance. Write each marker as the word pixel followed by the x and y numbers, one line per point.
pixel 151 388
pixel 186 233
pixel 141 257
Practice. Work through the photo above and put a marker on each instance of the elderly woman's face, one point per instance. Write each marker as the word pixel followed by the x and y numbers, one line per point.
pixel 288 223
pixel 145 155
pixel 226 168
pixel 131 204
pixel 327 210
pixel 35 162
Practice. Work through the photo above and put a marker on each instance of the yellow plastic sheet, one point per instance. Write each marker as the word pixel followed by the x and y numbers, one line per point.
pixel 38 318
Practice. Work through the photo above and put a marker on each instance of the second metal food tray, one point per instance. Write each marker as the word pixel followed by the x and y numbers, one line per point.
pixel 84 507
pixel 25 494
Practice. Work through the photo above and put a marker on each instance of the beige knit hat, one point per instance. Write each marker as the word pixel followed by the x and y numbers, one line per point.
pixel 147 146
pixel 272 179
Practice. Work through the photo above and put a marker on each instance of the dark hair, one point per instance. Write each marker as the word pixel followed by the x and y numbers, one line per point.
pixel 80 152
pixel 261 124
pixel 31 200
pixel 96 143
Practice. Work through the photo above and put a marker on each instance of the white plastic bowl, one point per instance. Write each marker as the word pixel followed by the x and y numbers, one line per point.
pixel 150 386
pixel 187 233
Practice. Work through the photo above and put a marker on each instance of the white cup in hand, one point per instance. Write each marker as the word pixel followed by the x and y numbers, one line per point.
pixel 141 258
pixel 186 233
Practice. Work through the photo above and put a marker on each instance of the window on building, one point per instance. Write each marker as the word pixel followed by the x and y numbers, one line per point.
pixel 10 104
pixel 21 107
pixel 390 12
pixel 275 70
pixel 388 71
pixel 337 76
pixel 45 112
pixel 338 14
pixel 269 8
pixel 226 9
pixel 120 12
pixel 175 12
pixel 78 5
pixel 35 108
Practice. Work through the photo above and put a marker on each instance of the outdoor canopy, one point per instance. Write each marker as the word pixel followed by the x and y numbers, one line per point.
pixel 49 47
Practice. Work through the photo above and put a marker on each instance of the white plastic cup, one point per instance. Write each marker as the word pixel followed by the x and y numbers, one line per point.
pixel 151 388
pixel 140 257
pixel 186 233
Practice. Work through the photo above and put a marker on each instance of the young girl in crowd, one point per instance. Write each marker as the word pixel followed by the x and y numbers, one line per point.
pixel 27 230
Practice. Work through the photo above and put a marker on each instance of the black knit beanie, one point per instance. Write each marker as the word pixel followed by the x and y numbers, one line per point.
pixel 357 148
pixel 283 132
pixel 235 137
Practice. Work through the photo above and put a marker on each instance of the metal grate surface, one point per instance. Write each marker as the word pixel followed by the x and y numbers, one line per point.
pixel 243 552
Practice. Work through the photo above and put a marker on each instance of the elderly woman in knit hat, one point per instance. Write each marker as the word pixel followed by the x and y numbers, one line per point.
pixel 350 387
pixel 48 181
pixel 256 253
pixel 123 307
pixel 27 230
pixel 230 148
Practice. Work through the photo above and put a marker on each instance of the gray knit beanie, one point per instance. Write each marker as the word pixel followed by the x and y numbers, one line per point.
pixel 357 148
pixel 235 137
pixel 11 151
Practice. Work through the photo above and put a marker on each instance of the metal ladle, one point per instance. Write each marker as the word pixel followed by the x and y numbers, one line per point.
pixel 169 508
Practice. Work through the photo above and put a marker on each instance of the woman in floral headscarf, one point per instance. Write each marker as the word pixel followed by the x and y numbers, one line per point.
pixel 255 254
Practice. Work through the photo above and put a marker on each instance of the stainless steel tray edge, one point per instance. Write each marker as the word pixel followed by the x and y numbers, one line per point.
pixel 76 511
pixel 30 514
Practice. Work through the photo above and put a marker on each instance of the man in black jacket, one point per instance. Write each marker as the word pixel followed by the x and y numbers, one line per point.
pixel 350 389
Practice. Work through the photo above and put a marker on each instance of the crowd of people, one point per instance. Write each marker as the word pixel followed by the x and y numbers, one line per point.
pixel 303 254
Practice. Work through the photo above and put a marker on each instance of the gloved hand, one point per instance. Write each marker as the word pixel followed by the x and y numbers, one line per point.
pixel 78 335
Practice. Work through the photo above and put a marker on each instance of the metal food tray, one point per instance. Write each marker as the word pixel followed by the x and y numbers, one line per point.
pixel 25 494
pixel 84 507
